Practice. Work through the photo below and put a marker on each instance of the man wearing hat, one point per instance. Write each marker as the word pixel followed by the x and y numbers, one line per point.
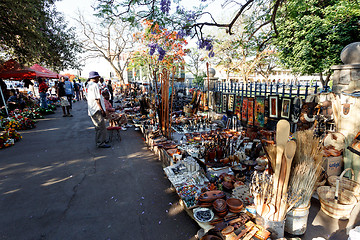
pixel 96 109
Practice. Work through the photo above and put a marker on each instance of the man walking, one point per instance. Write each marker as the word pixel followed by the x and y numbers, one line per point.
pixel 43 87
pixel 69 90
pixel 64 101
pixel 96 109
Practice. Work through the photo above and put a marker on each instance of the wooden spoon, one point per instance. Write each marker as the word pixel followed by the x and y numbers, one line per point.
pixel 282 135
pixel 290 149
pixel 280 196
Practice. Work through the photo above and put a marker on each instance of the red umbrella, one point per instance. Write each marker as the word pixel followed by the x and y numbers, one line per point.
pixel 14 70
pixel 39 68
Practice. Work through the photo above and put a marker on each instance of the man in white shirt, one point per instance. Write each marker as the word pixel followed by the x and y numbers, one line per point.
pixel 96 109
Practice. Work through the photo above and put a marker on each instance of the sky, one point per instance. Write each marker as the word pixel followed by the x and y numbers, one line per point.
pixel 70 9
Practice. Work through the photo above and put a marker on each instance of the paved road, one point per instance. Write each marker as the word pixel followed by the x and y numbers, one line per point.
pixel 55 184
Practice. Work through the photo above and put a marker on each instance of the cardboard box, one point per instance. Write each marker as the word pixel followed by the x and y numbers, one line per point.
pixel 333 165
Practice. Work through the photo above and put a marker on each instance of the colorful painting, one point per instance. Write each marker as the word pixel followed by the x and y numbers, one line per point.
pixel 259 111
pixel 250 111
pixel 273 106
pixel 285 108
pixel 244 112
pixel 238 106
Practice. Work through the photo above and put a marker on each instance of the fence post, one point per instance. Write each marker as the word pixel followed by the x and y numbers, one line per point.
pixel 298 89
pixel 251 89
pixel 242 89
pixel 277 88
pixel 316 86
pixel 283 89
pixel 291 87
pixel 271 88
pixel 265 91
pixel 255 88
pixel 306 89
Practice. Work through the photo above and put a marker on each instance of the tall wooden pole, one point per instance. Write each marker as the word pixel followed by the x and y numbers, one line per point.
pixel 172 99
pixel 208 95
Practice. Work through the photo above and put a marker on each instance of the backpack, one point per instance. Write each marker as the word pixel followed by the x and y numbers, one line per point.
pixel 68 88
pixel 76 87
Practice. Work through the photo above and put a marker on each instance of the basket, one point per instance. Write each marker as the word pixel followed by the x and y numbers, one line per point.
pixel 345 183
pixel 338 209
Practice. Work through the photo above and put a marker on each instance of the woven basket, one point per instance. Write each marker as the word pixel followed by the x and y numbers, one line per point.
pixel 340 209
pixel 345 183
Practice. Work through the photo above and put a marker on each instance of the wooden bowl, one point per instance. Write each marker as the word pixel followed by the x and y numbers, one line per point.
pixel 221 214
pixel 234 204
pixel 219 205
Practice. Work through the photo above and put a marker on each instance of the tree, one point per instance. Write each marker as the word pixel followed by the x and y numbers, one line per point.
pixel 195 59
pixel 159 49
pixel 34 32
pixel 313 33
pixel 179 18
pixel 112 41
pixel 243 52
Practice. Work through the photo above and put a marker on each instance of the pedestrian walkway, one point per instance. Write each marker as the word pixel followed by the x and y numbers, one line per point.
pixel 55 184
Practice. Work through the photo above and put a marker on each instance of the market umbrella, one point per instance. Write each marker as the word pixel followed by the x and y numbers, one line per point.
pixel 39 68
pixel 13 70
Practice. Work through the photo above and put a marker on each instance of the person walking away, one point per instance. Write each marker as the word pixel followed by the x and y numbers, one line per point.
pixel 81 90
pixel 77 90
pixel 110 88
pixel 69 90
pixel 43 87
pixel 64 102
pixel 96 109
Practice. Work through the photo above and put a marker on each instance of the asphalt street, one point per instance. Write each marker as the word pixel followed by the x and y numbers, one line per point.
pixel 55 184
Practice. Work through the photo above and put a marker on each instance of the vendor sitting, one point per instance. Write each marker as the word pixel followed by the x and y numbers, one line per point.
pixel 15 101
pixel 113 115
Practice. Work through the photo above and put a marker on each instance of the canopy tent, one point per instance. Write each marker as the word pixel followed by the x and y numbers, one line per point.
pixel 39 68
pixel 15 71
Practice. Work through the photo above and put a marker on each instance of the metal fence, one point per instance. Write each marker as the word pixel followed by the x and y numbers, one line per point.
pixel 266 89
pixel 257 89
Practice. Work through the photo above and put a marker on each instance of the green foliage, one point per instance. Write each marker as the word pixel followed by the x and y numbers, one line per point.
pixel 313 33
pixel 32 31
pixel 134 11
pixel 199 79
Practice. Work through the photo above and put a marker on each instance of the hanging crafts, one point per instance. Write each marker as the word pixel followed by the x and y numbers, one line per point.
pixel 259 111
pixel 250 111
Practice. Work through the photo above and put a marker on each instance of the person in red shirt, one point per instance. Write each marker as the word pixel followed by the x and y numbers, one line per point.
pixel 43 87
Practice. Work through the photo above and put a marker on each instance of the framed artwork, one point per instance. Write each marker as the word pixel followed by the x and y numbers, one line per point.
pixel 285 108
pixel 259 111
pixel 231 102
pixel 244 107
pixel 273 106
pixel 224 102
pixel 237 111
pixel 250 110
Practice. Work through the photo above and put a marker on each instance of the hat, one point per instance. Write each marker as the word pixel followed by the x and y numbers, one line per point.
pixel 93 74
pixel 354 86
